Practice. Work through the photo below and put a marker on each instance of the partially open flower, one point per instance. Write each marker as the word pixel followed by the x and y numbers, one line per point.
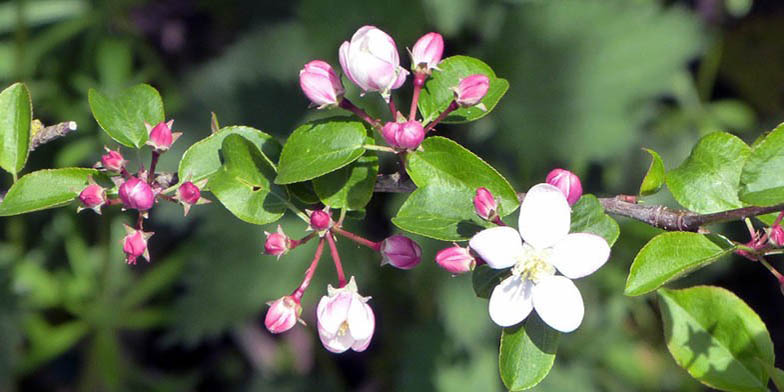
pixel 321 84
pixel 567 182
pixel 345 320
pixel 282 314
pixel 161 136
pixel 277 244
pixel 371 61
pixel 92 197
pixel 400 252
pixel 135 245
pixel 456 259
pixel 136 194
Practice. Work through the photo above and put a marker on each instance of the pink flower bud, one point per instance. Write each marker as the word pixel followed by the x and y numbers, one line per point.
pixel 161 136
pixel 485 205
pixel 135 245
pixel 345 320
pixel 456 260
pixel 113 161
pixel 189 194
pixel 93 197
pixel 321 84
pixel 282 314
pixel 401 252
pixel 427 52
pixel 320 219
pixel 277 244
pixel 404 136
pixel 471 90
pixel 567 182
pixel 136 194
pixel 371 61
pixel 776 235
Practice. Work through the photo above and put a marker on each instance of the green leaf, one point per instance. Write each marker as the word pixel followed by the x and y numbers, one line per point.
pixel 443 212
pixel 776 375
pixel 16 114
pixel 716 337
pixel 304 192
pixel 201 159
pixel 484 279
pixel 320 147
pixel 761 180
pixel 44 189
pixel 669 256
pixel 123 115
pixel 588 217
pixel 527 353
pixel 350 187
pixel 437 93
pixel 708 181
pixel 654 178
pixel 244 183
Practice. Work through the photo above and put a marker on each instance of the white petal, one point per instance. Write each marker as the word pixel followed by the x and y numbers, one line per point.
pixel 336 343
pixel 545 216
pixel 331 312
pixel 510 302
pixel 579 254
pixel 558 303
pixel 360 319
pixel 498 246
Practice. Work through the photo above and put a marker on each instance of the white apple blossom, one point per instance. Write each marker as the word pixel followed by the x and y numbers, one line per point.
pixel 542 247
pixel 345 320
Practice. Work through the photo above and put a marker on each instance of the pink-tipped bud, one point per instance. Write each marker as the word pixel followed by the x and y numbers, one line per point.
pixel 401 252
pixel 189 194
pixel 113 161
pixel 321 84
pixel 427 52
pixel 404 136
pixel 776 235
pixel 282 314
pixel 135 245
pixel 92 197
pixel 371 61
pixel 136 194
pixel 567 182
pixel 471 90
pixel 161 136
pixel 277 244
pixel 320 219
pixel 456 259
pixel 485 205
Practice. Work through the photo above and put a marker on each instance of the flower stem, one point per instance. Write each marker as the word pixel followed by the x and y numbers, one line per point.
pixel 451 108
pixel 333 250
pixel 392 108
pixel 153 164
pixel 301 241
pixel 419 82
pixel 348 105
pixel 770 268
pixel 300 291
pixel 378 148
pixel 353 237
pixel 778 219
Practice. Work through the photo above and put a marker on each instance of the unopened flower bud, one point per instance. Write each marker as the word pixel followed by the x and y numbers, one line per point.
pixel 401 252
pixel 568 183
pixel 321 84
pixel 189 194
pixel 404 136
pixel 456 259
pixel 485 205
pixel 135 245
pixel 371 61
pixel 92 197
pixel 427 52
pixel 161 136
pixel 277 244
pixel 776 235
pixel 112 161
pixel 136 194
pixel 320 219
pixel 282 314
pixel 471 90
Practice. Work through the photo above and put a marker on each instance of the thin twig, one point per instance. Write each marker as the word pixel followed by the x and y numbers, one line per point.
pixel 50 133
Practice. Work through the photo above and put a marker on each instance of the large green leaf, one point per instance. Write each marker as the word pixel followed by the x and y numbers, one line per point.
pixel 349 187
pixel 527 353
pixel 716 337
pixel 654 178
pixel 244 183
pixel 669 256
pixel 16 114
pixel 437 93
pixel 761 180
pixel 319 147
pixel 588 217
pixel 123 115
pixel 708 181
pixel 443 212
pixel 201 159
pixel 44 189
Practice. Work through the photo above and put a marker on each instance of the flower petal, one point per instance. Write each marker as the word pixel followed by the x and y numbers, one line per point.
pixel 362 344
pixel 579 254
pixel 360 319
pixel 331 312
pixel 510 302
pixel 545 216
pixel 558 303
pixel 336 343
pixel 498 246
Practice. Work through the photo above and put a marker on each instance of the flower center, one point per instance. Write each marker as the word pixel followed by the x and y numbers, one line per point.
pixel 343 328
pixel 532 264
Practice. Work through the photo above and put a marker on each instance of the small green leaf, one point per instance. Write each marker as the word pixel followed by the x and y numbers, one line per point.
pixel 588 217
pixel 527 353
pixel 761 180
pixel 16 115
pixel 669 256
pixel 437 93
pixel 349 187
pixel 44 189
pixel 708 181
pixel 320 147
pixel 716 337
pixel 201 159
pixel 654 178
pixel 484 279
pixel 123 115
pixel 244 183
